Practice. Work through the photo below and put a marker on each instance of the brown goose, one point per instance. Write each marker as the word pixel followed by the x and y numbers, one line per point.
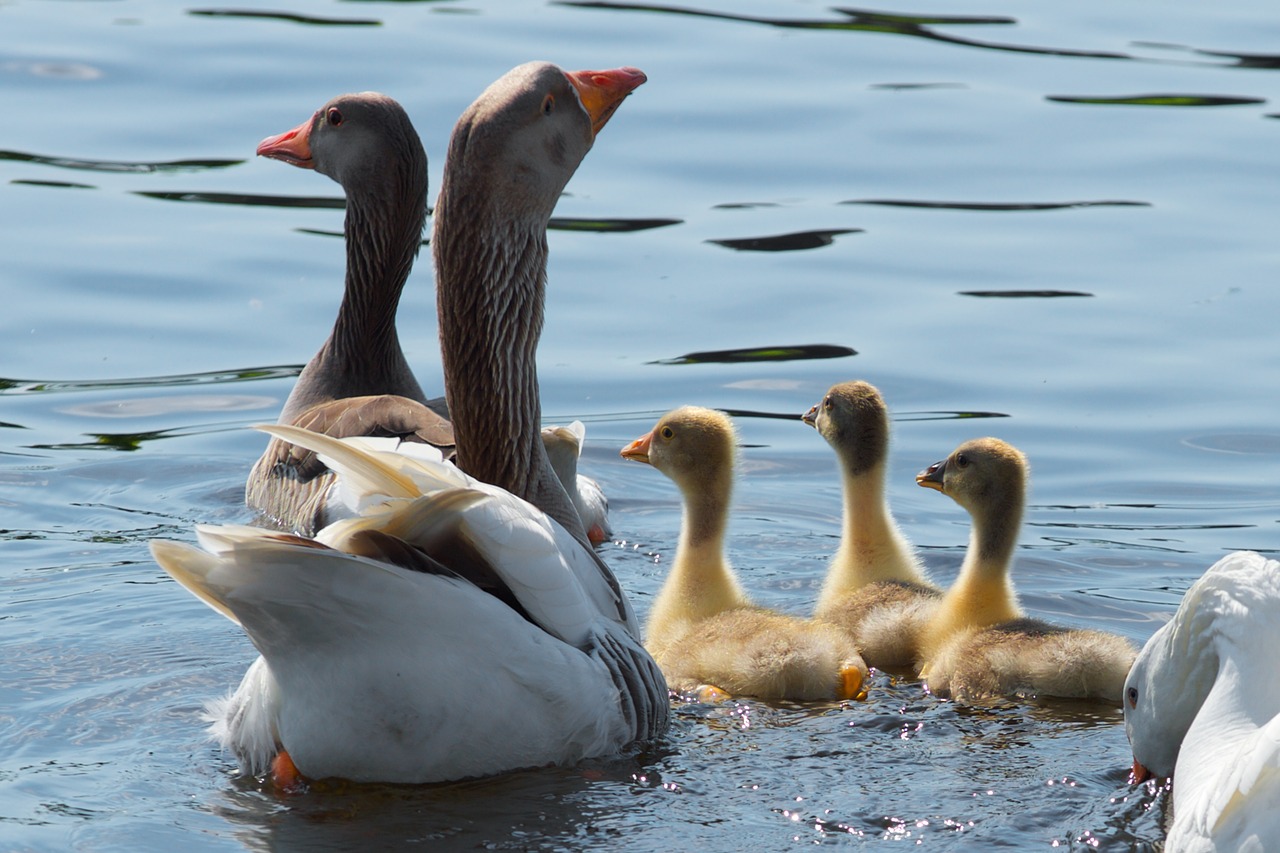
pixel 977 642
pixel 359 383
pixel 875 587
pixel 448 628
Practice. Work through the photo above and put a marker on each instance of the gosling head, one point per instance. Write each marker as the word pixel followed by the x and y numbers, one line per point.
pixel 853 420
pixel 980 475
pixel 691 445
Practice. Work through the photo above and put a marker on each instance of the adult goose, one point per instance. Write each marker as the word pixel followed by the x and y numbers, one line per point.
pixel 448 628
pixel 359 382
pixel 977 642
pixel 875 587
pixel 1202 704
pixel 708 636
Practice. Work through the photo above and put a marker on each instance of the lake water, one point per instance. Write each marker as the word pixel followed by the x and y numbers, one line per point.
pixel 160 296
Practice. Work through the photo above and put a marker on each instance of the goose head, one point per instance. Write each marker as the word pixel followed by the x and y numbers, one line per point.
pixel 363 141
pixel 853 420
pixel 527 133
pixel 693 446
pixel 1223 637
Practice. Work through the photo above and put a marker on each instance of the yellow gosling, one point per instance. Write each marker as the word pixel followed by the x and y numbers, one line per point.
pixel 703 629
pixel 875 587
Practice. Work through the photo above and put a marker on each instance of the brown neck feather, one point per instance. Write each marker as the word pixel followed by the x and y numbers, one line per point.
pixel 362 354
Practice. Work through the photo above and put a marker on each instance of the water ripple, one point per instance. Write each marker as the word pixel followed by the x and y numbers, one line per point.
pixel 117 166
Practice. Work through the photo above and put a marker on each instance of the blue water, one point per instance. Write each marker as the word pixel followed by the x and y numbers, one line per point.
pixel 145 324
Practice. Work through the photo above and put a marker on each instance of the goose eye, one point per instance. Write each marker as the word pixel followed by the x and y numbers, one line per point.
pixel 1132 696
pixel 548 105
pixel 334 116
pixel 667 432
pixel 962 461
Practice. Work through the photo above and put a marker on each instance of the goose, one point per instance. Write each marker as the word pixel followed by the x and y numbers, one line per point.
pixel 359 382
pixel 704 631
pixel 875 587
pixel 978 643
pixel 446 627
pixel 1202 705
pixel 564 446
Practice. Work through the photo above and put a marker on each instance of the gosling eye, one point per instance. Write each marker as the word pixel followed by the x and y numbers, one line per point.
pixel 548 105
pixel 667 432
pixel 962 461
pixel 829 402
pixel 1132 696
pixel 334 117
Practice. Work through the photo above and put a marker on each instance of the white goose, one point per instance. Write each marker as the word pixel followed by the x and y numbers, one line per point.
pixel 1202 704
pixel 564 447
pixel 449 628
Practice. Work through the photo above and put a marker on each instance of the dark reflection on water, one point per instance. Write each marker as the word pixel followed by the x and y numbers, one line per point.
pixel 129 441
pixel 1241 60
pixel 1163 100
pixel 62 185
pixel 291 17
pixel 557 223
pixel 1023 294
pixel 247 374
pixel 250 199
pixel 797 241
pixel 865 20
pixel 751 354
pixel 118 165
pixel 994 205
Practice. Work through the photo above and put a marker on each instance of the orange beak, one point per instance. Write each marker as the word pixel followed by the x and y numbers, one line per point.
pixel 638 450
pixel 1139 773
pixel 602 91
pixel 292 146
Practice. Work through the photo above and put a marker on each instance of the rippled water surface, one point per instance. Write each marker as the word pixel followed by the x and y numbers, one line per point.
pixel 1055 225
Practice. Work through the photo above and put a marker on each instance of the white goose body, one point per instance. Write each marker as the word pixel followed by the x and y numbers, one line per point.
pixel 381 663
pixel 1202 704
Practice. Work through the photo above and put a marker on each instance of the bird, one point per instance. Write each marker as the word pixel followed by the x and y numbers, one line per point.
pixel 1202 705
pixel 706 633
pixel 564 447
pixel 978 643
pixel 359 382
pixel 445 626
pixel 875 587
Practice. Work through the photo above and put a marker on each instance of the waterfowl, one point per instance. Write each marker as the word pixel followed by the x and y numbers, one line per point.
pixel 359 382
pixel 703 629
pixel 977 642
pixel 875 587
pixel 1202 704
pixel 448 627
pixel 564 446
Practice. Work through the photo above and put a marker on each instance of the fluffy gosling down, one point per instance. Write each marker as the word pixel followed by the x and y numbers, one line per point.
pixel 978 642
pixel 704 631
pixel 875 587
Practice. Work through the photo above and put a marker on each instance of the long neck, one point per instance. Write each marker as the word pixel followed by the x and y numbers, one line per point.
pixel 362 354
pixel 700 583
pixel 1237 705
pixel 490 281
pixel 871 547
pixel 982 594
